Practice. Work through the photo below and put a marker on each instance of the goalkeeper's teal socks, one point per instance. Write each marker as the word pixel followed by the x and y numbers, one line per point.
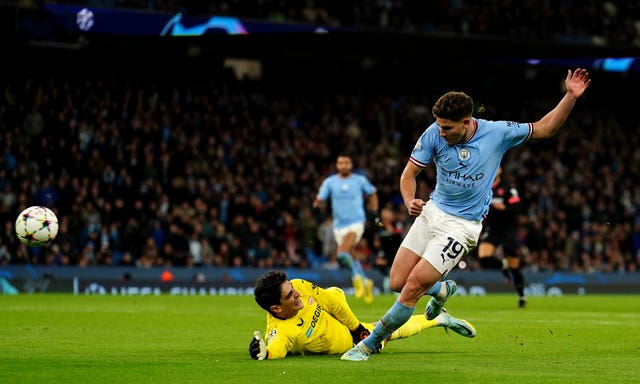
pixel 397 315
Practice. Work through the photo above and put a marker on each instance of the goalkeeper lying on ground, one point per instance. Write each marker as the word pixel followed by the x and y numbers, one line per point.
pixel 305 319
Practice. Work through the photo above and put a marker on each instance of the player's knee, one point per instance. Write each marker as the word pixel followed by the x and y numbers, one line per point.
pixel 395 285
pixel 412 291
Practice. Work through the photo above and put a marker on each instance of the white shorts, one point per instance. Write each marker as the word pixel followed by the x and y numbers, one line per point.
pixel 340 233
pixel 440 238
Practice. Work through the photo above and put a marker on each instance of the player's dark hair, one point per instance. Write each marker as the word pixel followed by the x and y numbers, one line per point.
pixel 348 156
pixel 267 289
pixel 453 106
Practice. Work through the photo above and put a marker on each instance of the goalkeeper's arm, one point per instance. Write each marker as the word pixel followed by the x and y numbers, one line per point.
pixel 257 347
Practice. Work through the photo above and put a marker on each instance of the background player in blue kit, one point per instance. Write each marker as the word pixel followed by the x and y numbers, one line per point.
pixel 467 153
pixel 347 191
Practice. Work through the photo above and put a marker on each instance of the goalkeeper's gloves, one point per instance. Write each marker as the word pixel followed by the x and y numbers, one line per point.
pixel 362 333
pixel 374 219
pixel 257 347
pixel 359 334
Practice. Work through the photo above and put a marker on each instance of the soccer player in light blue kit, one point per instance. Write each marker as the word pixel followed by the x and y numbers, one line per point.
pixel 348 191
pixel 467 153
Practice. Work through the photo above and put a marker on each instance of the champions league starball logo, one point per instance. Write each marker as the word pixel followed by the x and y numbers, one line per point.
pixel 84 19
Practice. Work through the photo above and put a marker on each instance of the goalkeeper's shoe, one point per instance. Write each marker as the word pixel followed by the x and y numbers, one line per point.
pixel 434 306
pixel 358 286
pixel 459 326
pixel 355 354
pixel 368 291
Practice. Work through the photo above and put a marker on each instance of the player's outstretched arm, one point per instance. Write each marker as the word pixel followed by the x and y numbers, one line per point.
pixel 576 83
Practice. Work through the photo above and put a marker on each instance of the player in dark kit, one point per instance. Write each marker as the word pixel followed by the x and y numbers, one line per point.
pixel 500 229
pixel 386 241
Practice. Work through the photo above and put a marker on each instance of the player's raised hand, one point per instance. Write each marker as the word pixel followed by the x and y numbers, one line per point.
pixel 577 81
pixel 257 347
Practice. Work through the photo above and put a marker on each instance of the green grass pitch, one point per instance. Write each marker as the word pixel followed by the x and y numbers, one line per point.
pixel 57 338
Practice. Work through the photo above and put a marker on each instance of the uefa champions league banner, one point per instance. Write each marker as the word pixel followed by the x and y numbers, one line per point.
pixel 239 281
pixel 62 25
pixel 127 22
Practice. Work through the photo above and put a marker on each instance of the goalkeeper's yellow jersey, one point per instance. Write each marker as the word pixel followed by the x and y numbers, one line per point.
pixel 320 327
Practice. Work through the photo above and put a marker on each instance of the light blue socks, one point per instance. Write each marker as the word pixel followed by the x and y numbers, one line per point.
pixel 435 289
pixel 397 315
pixel 354 265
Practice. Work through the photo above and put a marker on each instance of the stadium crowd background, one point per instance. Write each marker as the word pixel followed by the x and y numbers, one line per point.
pixel 210 170
pixel 599 22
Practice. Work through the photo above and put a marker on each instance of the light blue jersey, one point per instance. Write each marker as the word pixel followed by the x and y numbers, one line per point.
pixel 465 172
pixel 347 198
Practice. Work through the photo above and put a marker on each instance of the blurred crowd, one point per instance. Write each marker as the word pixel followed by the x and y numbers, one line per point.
pixel 210 173
pixel 611 22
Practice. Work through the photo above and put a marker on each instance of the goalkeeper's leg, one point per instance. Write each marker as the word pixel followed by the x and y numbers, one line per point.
pixel 418 323
pixel 413 326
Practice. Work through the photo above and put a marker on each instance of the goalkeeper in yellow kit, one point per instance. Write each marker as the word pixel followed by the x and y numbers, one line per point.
pixel 304 319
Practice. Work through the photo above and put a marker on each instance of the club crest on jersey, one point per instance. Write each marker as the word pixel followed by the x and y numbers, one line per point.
pixel 464 154
pixel 272 334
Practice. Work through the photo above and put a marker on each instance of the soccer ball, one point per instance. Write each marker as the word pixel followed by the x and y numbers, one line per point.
pixel 37 226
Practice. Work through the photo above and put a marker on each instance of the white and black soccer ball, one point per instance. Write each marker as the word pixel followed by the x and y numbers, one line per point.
pixel 37 226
